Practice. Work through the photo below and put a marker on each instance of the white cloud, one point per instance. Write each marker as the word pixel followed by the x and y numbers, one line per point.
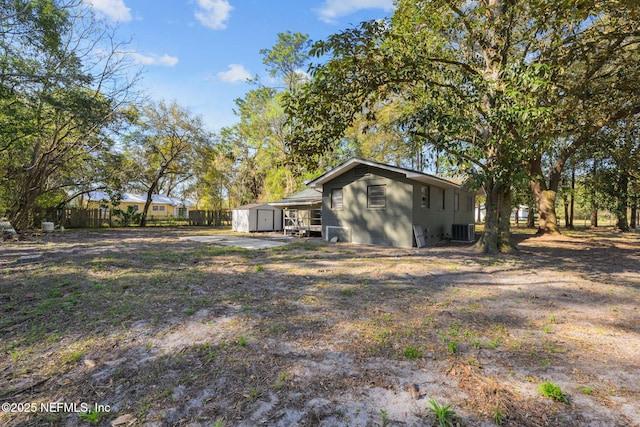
pixel 334 9
pixel 214 13
pixel 153 59
pixel 114 9
pixel 236 73
pixel 303 75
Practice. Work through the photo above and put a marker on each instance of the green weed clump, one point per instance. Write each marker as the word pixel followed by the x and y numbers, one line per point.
pixel 552 391
pixel 444 414
pixel 412 352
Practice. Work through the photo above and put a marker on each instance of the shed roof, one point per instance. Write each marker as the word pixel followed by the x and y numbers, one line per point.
pixel 356 161
pixel 251 206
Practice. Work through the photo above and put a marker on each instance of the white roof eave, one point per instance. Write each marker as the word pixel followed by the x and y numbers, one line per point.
pixel 350 164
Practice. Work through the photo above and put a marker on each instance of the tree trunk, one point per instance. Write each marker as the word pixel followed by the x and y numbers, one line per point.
pixel 594 195
pixel 152 189
pixel 545 197
pixel 19 216
pixel 573 197
pixel 546 204
pixel 623 201
pixel 531 219
pixel 147 203
pixel 496 236
pixel 633 221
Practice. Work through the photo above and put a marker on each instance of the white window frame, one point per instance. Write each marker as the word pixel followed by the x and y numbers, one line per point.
pixel 374 197
pixel 335 199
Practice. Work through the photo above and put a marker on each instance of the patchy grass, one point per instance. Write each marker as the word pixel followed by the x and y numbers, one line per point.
pixel 175 332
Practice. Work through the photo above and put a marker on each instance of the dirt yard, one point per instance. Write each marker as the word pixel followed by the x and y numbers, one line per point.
pixel 145 327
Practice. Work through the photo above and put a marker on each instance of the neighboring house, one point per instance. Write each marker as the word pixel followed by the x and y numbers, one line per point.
pixel 161 206
pixel 256 217
pixel 373 203
pixel 302 211
pixel 521 210
pixel 480 213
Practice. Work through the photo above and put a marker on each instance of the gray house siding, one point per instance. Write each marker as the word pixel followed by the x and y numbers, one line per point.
pixel 391 225
pixel 385 226
pixel 466 213
pixel 435 219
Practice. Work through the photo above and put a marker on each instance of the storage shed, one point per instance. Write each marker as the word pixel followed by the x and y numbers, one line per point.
pixel 256 217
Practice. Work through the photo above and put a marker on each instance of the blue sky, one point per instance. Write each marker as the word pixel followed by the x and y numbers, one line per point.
pixel 200 52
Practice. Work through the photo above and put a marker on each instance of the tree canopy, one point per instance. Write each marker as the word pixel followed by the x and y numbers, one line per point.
pixel 61 87
pixel 163 148
pixel 484 81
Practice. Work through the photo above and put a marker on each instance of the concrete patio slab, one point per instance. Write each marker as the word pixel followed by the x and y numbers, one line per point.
pixel 243 242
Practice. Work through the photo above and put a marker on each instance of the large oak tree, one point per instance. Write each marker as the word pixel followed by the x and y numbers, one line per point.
pixel 62 83
pixel 478 79
pixel 163 145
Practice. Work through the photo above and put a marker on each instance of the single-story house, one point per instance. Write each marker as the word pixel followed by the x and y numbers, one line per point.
pixel 161 206
pixel 372 203
pixel 256 217
pixel 302 211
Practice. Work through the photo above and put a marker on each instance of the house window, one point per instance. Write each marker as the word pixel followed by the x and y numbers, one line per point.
pixel 469 203
pixel 182 212
pixel 158 208
pixel 426 197
pixel 376 196
pixel 441 194
pixel 336 198
pixel 456 202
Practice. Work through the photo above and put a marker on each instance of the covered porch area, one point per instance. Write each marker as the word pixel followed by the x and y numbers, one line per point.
pixel 302 213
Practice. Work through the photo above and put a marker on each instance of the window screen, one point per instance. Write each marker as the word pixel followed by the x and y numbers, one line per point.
pixel 336 198
pixel 376 196
pixel 426 197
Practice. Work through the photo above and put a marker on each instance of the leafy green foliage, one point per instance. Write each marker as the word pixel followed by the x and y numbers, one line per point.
pixel 162 146
pixel 412 353
pixel 288 57
pixel 93 417
pixel 552 391
pixel 444 414
pixel 56 120
pixel 263 166
pixel 129 216
pixel 483 83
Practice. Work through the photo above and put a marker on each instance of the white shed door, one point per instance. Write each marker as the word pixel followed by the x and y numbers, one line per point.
pixel 265 220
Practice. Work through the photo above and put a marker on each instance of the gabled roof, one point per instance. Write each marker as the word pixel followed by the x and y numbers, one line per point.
pixel 305 197
pixel 101 196
pixel 408 173
pixel 250 206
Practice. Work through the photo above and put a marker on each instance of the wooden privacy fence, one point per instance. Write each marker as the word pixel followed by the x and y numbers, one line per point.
pixel 75 218
pixel 86 218
pixel 215 218
pixel 96 218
